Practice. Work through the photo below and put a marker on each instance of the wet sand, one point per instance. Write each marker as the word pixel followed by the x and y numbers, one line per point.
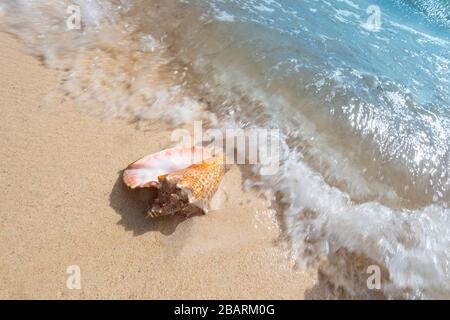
pixel 62 204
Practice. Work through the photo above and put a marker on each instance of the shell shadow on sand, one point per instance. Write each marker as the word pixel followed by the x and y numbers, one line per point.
pixel 132 206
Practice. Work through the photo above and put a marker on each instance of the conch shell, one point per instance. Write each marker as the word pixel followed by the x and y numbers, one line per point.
pixel 186 179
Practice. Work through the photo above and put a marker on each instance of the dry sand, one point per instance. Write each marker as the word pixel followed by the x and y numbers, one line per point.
pixel 62 203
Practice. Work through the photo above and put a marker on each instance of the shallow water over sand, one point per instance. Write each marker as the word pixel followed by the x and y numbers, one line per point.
pixel 364 114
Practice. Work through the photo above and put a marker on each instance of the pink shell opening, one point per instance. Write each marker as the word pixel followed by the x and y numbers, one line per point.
pixel 144 173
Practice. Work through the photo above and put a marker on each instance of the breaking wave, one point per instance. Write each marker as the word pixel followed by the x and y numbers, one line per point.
pixel 364 115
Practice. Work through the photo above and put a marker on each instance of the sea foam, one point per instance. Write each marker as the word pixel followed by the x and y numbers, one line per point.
pixel 364 175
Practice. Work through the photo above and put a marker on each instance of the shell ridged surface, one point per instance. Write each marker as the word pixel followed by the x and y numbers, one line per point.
pixel 186 179
pixel 201 179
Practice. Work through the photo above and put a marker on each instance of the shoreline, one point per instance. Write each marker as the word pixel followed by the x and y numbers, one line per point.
pixel 63 204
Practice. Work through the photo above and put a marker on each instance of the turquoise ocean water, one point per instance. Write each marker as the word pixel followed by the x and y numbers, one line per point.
pixel 359 89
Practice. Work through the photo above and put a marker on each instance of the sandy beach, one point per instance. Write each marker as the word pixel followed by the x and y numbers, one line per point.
pixel 62 204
